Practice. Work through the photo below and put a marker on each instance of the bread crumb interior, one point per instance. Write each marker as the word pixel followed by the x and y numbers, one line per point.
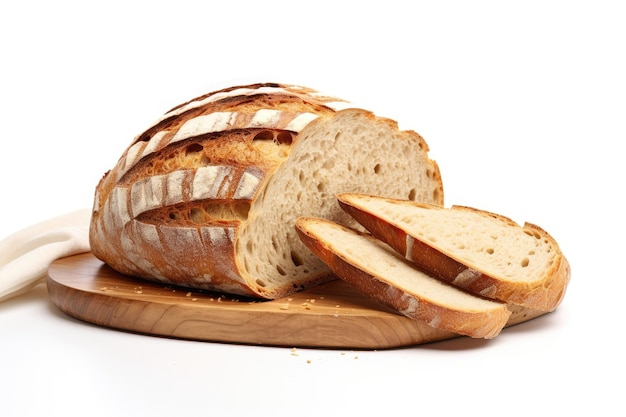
pixel 346 153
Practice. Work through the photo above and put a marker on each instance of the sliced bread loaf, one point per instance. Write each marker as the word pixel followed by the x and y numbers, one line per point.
pixel 379 272
pixel 485 253
pixel 207 197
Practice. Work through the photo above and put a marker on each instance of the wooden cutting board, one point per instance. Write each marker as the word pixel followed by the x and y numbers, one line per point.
pixel 328 316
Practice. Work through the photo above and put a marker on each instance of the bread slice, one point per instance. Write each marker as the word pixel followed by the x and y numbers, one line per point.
pixel 379 272
pixel 207 197
pixel 485 253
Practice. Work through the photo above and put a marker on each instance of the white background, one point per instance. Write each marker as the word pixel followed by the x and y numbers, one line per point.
pixel 523 105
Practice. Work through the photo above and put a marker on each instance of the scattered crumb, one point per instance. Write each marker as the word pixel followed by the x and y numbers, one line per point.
pixel 294 352
pixel 194 299
pixel 188 294
pixel 284 307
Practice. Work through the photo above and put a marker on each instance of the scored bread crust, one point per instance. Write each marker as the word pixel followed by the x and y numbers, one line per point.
pixel 427 306
pixel 544 293
pixel 180 204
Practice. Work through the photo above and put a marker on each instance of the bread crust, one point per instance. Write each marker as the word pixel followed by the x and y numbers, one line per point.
pixel 173 207
pixel 544 294
pixel 476 324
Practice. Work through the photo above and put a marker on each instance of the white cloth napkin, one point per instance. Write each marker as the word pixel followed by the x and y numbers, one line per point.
pixel 26 255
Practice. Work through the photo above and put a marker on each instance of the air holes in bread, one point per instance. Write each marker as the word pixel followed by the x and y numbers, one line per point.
pixel 196 215
pixel 279 138
pixel 533 233
pixel 196 151
pixel 264 135
pixel 284 138
pixel 490 251
pixel 194 148
pixel 295 258
pixel 525 262
pixel 377 169
pixel 242 208
pixel 436 195
pixel 412 194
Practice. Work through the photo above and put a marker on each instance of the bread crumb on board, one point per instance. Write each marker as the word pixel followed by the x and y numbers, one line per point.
pixel 352 354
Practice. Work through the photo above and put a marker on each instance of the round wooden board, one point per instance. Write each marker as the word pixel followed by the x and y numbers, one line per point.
pixel 328 316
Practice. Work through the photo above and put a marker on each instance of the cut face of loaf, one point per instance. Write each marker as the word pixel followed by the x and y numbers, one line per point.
pixel 208 196
pixel 379 272
pixel 482 252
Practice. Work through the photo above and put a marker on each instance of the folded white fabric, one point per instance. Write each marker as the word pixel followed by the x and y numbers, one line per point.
pixel 26 255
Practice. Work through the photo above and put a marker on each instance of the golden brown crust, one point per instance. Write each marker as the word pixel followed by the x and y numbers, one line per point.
pixel 173 206
pixel 176 235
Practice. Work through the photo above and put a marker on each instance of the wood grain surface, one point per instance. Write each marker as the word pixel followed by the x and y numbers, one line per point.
pixel 328 316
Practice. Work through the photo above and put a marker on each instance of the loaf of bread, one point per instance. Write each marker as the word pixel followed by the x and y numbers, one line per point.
pixel 482 252
pixel 207 197
pixel 379 272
